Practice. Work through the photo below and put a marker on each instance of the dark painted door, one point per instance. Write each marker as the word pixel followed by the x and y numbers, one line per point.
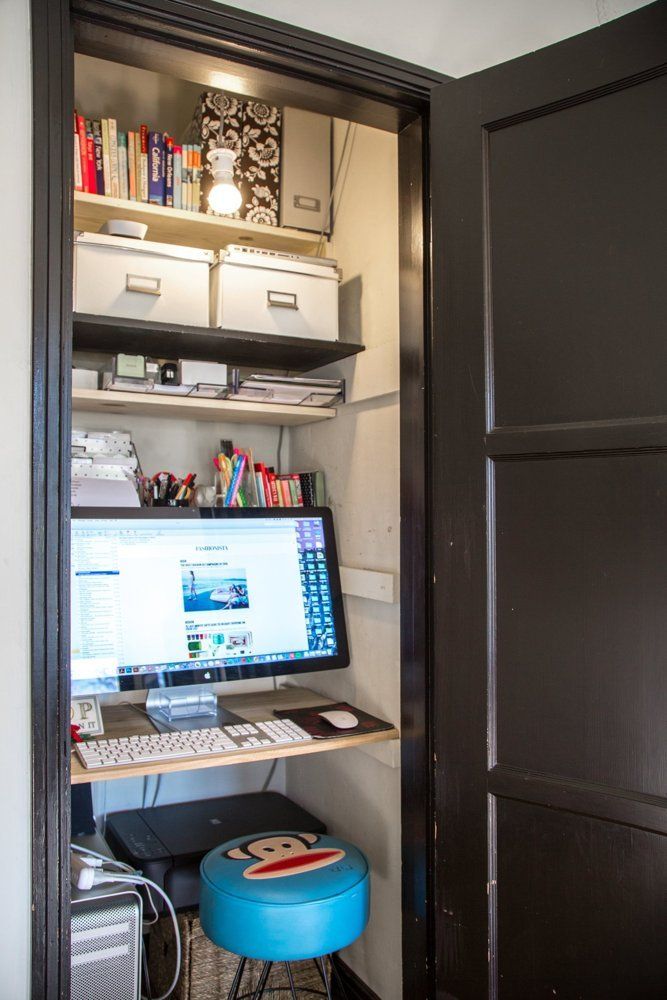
pixel 549 372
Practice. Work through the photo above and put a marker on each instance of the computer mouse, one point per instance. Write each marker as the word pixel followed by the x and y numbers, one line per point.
pixel 340 719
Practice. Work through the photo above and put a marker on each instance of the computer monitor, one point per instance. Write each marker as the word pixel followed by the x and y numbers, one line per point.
pixel 163 597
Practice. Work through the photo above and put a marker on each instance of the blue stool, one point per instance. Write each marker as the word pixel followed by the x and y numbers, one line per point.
pixel 284 897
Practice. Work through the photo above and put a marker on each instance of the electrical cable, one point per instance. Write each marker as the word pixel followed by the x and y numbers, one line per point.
pixel 274 762
pixel 321 241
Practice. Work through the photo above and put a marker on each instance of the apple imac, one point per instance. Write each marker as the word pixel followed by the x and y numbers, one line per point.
pixel 173 600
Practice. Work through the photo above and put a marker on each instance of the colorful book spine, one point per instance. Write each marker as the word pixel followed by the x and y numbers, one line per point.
pixel 83 151
pixel 99 163
pixel 178 176
pixel 106 156
pixel 90 153
pixel 196 174
pixel 156 168
pixel 266 486
pixel 275 492
pixel 122 166
pixel 185 165
pixel 113 158
pixel 283 487
pixel 143 133
pixel 78 179
pixel 168 171
pixel 132 165
pixel 295 486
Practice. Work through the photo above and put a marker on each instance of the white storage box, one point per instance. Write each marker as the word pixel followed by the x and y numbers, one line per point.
pixel 117 276
pixel 264 291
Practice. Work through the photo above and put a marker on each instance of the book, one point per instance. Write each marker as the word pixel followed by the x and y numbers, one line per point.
pixel 106 157
pixel 78 179
pixel 168 171
pixel 178 176
pixel 132 165
pixel 273 486
pixel 185 168
pixel 99 164
pixel 83 151
pixel 156 168
pixel 296 479
pixel 196 175
pixel 143 161
pixel 122 166
pixel 90 154
pixel 113 158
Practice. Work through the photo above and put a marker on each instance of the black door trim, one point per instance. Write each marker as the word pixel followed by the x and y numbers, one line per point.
pixel 378 80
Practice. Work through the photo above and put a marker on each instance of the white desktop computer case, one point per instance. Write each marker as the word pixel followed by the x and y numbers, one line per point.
pixel 106 944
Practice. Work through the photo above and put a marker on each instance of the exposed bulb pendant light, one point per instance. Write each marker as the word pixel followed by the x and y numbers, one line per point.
pixel 224 197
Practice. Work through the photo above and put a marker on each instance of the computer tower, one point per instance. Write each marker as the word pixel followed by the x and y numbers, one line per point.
pixel 106 944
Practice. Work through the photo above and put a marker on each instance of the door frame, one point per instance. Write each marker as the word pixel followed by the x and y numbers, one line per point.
pixel 383 90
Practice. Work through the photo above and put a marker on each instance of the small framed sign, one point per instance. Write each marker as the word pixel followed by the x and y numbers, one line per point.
pixel 87 715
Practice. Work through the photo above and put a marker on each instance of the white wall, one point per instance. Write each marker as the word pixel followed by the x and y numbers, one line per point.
pixel 356 793
pixel 453 36
pixel 15 116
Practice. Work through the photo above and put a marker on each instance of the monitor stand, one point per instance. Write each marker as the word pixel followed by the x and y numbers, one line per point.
pixel 194 706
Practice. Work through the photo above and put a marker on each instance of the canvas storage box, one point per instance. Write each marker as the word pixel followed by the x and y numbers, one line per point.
pixel 135 279
pixel 265 291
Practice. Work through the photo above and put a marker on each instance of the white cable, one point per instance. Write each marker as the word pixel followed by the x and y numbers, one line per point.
pixel 140 880
pixel 129 875
pixel 102 857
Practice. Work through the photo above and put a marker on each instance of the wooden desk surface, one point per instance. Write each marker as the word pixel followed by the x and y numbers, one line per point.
pixel 121 720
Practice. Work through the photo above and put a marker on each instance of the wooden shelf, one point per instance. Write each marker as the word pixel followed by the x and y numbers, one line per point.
pixel 120 720
pixel 189 408
pixel 193 229
pixel 202 343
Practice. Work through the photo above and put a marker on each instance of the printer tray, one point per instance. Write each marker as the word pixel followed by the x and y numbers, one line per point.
pixel 167 843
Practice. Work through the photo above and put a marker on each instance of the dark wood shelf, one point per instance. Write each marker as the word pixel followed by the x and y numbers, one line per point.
pixel 233 347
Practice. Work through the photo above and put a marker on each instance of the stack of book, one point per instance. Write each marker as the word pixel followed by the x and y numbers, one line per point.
pixel 144 165
pixel 242 482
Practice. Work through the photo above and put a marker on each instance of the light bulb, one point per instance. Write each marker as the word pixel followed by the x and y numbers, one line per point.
pixel 224 197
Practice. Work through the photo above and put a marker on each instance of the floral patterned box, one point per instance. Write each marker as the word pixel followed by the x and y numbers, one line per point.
pixel 253 130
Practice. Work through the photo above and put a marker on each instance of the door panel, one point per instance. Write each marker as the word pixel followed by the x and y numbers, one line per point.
pixel 560 878
pixel 581 618
pixel 549 419
pixel 578 203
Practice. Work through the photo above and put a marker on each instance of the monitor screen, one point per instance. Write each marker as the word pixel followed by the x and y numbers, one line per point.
pixel 162 597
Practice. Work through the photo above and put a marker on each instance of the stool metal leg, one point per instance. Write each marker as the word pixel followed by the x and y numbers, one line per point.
pixel 339 979
pixel 319 962
pixel 234 991
pixel 261 985
pixel 291 980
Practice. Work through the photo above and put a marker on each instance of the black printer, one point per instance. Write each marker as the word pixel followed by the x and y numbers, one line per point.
pixel 167 843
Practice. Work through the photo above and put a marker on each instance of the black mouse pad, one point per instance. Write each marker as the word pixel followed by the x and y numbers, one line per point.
pixel 317 727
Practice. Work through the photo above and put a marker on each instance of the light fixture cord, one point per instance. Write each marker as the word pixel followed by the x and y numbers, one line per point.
pixel 350 126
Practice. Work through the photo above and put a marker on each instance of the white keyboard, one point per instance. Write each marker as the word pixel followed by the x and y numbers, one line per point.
pixel 193 743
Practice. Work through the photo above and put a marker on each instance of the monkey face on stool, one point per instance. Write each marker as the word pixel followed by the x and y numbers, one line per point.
pixel 284 854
